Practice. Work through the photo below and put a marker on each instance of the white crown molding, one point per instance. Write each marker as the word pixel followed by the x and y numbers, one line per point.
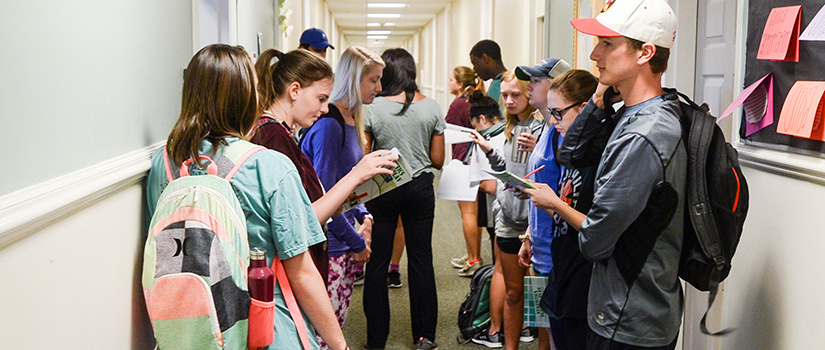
pixel 28 210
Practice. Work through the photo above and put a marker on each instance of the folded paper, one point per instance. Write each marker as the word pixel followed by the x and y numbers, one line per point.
pixel 457 134
pixel 801 114
pixel 816 29
pixel 757 100
pixel 780 38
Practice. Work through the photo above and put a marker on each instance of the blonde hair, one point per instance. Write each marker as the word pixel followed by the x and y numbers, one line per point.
pixel 468 79
pixel 511 120
pixel 355 64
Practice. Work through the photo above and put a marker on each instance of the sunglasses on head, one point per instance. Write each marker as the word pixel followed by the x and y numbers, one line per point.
pixel 558 113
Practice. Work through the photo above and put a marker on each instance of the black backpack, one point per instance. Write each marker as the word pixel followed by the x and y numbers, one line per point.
pixel 717 202
pixel 717 193
pixel 474 314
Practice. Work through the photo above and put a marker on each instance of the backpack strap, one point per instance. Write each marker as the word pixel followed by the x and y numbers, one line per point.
pixel 166 165
pixel 338 118
pixel 238 152
pixel 698 127
pixel 291 303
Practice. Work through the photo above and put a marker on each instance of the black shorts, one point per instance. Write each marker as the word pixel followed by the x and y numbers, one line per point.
pixel 508 245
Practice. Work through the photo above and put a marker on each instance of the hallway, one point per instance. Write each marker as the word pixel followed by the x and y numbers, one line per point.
pixel 447 243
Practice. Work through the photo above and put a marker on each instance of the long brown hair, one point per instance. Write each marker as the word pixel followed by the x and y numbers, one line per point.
pixel 511 120
pixel 276 70
pixel 219 101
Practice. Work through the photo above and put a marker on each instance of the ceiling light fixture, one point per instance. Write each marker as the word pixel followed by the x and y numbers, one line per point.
pixel 386 5
pixel 389 24
pixel 379 32
pixel 383 15
pixel 373 24
pixel 377 37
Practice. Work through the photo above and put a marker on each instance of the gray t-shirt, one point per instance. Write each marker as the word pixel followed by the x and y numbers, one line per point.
pixel 410 132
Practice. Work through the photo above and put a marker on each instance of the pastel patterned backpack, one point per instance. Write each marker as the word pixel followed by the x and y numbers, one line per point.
pixel 196 257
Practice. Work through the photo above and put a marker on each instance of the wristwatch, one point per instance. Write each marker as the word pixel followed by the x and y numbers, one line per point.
pixel 523 238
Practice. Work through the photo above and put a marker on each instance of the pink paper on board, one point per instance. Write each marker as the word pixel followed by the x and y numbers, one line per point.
pixel 780 38
pixel 748 97
pixel 815 31
pixel 801 114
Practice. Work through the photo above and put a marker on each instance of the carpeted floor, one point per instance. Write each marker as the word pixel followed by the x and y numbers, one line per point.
pixel 448 242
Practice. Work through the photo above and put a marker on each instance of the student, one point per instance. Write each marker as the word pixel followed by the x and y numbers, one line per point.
pixel 293 90
pixel 334 150
pixel 463 82
pixel 219 108
pixel 486 59
pixel 404 118
pixel 565 298
pixel 539 77
pixel 315 41
pixel 635 299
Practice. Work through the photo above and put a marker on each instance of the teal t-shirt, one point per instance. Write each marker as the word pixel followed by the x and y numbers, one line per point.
pixel 279 218
pixel 495 88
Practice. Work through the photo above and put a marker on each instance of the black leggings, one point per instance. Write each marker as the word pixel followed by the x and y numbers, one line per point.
pixel 414 202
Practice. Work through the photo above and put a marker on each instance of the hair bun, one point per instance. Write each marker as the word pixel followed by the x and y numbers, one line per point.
pixel 476 96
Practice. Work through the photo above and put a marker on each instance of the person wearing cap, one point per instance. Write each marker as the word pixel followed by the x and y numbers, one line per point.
pixel 486 59
pixel 315 40
pixel 633 232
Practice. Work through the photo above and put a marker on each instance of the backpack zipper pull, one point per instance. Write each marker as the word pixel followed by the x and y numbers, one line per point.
pixel 197 190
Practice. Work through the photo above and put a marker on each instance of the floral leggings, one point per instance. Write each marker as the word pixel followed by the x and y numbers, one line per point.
pixel 339 287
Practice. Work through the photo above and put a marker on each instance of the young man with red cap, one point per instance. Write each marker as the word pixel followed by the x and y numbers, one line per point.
pixel 633 232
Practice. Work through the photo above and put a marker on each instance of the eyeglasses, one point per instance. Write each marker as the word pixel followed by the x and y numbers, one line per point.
pixel 558 113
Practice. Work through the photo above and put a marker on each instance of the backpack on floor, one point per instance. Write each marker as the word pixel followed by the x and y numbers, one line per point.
pixel 717 202
pixel 196 257
pixel 474 314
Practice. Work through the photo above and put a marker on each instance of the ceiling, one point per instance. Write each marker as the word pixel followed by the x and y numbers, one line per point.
pixel 409 16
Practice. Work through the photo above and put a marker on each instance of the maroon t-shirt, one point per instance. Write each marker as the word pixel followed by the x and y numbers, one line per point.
pixel 459 114
pixel 276 136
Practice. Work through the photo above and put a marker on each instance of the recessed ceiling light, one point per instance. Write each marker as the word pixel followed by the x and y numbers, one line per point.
pixel 386 5
pixel 383 15
pixel 377 37
pixel 389 24
pixel 379 32
pixel 373 24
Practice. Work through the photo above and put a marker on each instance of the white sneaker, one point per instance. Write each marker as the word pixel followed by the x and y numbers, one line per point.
pixel 469 269
pixel 459 262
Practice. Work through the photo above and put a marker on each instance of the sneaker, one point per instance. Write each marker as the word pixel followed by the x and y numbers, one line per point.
pixel 489 340
pixel 359 279
pixel 426 344
pixel 526 336
pixel 367 347
pixel 394 279
pixel 459 262
pixel 469 268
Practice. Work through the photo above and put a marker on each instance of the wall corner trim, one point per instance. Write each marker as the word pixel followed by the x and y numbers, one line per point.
pixel 30 209
pixel 781 160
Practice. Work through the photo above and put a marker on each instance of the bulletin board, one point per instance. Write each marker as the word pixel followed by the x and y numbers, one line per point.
pixel 811 66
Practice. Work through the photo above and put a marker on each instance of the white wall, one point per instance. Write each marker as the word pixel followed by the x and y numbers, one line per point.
pixel 82 82
pixel 76 283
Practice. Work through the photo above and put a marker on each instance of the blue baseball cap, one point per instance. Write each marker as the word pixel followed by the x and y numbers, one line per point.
pixel 316 38
pixel 546 68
